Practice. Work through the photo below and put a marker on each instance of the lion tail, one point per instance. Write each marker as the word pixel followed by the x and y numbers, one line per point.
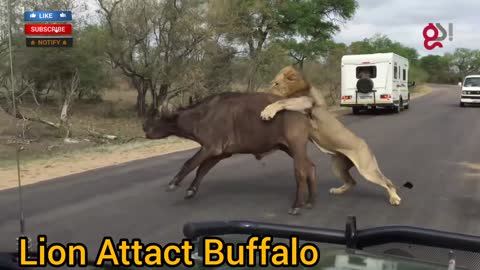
pixel 408 185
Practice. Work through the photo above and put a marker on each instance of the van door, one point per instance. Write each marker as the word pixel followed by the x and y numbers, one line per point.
pixel 397 84
pixel 404 84
pixel 350 76
pixel 369 71
pixel 400 84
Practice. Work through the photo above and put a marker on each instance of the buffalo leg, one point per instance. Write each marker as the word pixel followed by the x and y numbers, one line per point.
pixel 301 165
pixel 202 170
pixel 311 180
pixel 312 186
pixel 189 166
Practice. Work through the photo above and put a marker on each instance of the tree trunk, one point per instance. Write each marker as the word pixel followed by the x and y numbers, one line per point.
pixel 251 78
pixel 141 105
pixel 154 105
pixel 300 63
pixel 163 93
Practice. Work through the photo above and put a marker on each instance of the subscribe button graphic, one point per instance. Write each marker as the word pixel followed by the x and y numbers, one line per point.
pixel 48 29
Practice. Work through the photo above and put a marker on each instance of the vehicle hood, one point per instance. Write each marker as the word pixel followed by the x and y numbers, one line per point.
pixel 335 259
pixel 474 88
pixel 341 259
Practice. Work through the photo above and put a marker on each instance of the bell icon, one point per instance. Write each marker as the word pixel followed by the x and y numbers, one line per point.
pixel 64 43
pixel 32 42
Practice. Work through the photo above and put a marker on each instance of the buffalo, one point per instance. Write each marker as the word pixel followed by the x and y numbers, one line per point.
pixel 226 124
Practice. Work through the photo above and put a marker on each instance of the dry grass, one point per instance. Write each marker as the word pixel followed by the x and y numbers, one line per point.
pixel 33 171
pixel 421 90
pixel 49 157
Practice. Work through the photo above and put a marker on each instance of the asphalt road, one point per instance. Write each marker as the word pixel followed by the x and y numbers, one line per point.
pixel 428 145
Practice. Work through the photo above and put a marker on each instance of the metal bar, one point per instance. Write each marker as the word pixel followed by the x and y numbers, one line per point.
pixel 364 238
pixel 419 236
pixel 351 232
pixel 196 230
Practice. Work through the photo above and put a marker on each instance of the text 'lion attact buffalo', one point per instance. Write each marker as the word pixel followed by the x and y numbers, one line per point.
pixel 228 124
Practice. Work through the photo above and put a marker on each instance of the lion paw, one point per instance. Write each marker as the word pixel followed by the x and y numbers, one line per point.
pixel 336 191
pixel 340 190
pixel 395 200
pixel 268 113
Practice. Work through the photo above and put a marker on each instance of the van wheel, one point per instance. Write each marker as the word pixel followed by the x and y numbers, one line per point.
pixel 398 109
pixel 407 106
pixel 462 104
pixel 355 110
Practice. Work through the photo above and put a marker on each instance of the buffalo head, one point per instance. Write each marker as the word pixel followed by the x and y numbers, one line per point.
pixel 158 126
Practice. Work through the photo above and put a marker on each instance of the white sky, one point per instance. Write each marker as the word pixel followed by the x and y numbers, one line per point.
pixel 404 20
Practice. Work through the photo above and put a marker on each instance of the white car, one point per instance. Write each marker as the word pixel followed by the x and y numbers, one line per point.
pixel 470 90
pixel 375 80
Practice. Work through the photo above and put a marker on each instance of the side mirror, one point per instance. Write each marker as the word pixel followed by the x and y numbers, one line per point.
pixel 460 84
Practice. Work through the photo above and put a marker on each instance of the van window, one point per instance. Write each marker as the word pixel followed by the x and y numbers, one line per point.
pixel 404 74
pixel 370 70
pixel 395 71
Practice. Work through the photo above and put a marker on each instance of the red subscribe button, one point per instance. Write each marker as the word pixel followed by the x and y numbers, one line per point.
pixel 48 29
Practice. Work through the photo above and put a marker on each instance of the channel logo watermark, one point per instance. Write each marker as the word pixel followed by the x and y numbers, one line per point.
pixel 433 40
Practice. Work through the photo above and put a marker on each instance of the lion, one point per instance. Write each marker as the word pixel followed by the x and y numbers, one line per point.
pixel 328 133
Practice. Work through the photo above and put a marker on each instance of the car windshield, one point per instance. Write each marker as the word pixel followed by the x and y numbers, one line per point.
pixel 125 120
pixel 472 82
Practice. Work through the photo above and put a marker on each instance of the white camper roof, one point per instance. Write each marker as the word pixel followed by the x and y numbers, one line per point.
pixel 358 59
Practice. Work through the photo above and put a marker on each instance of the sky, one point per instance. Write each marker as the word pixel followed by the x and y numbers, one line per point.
pixel 404 20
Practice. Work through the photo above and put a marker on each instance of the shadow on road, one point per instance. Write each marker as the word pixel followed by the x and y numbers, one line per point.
pixel 374 112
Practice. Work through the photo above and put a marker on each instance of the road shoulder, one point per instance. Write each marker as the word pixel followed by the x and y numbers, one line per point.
pixel 89 159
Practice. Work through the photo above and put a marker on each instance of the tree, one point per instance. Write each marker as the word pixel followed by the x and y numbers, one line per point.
pixel 437 67
pixel 302 27
pixel 382 44
pixel 306 27
pixel 152 42
pixel 466 61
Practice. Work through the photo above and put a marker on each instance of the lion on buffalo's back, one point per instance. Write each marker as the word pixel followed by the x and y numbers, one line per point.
pixel 327 132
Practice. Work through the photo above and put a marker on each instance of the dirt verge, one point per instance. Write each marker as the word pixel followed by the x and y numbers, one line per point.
pixel 33 171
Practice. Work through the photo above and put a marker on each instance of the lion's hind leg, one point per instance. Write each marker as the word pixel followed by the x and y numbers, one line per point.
pixel 340 167
pixel 376 176
pixel 367 166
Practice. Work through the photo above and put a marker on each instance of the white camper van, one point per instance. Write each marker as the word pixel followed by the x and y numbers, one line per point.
pixel 470 90
pixel 375 80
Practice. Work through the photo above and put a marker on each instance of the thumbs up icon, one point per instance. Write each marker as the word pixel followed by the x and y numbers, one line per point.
pixel 63 15
pixel 33 15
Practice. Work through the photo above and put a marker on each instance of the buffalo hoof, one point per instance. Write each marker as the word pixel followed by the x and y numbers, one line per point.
pixel 172 187
pixel 190 194
pixel 309 206
pixel 294 211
